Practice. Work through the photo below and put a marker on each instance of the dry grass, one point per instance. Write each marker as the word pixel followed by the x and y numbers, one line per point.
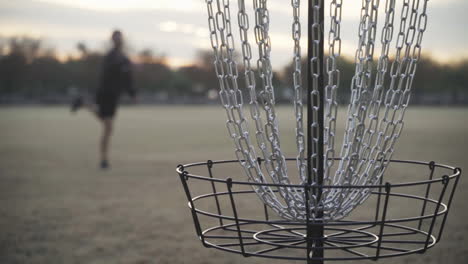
pixel 57 207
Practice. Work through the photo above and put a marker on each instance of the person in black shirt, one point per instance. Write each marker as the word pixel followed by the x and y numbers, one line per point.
pixel 115 79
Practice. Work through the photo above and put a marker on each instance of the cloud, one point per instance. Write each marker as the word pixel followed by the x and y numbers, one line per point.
pixel 120 5
pixel 64 26
pixel 179 28
pixel 174 27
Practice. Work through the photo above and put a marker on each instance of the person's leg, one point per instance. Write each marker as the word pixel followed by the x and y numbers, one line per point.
pixel 94 110
pixel 106 111
pixel 108 124
pixel 81 102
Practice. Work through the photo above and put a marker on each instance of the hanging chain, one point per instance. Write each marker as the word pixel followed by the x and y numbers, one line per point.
pixel 267 95
pixel 360 96
pixel 376 102
pixel 255 109
pixel 402 73
pixel 298 91
pixel 374 162
pixel 291 196
pixel 370 136
pixel 330 97
pixel 316 74
pixel 222 42
pixel 373 109
pixel 249 74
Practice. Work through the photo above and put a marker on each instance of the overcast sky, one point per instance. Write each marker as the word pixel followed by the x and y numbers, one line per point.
pixel 178 28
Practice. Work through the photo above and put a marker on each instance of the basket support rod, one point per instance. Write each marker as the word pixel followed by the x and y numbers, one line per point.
pixel 315 81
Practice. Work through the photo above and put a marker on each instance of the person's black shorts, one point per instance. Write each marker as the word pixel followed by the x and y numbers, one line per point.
pixel 107 105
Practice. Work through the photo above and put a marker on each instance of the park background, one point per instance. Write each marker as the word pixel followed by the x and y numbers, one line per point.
pixel 56 206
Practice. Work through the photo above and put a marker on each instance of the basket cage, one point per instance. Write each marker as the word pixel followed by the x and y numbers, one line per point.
pixel 397 219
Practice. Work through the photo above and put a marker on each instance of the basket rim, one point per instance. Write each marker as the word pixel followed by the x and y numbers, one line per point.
pixel 456 172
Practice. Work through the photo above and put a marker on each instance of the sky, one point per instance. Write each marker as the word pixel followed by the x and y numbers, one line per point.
pixel 178 28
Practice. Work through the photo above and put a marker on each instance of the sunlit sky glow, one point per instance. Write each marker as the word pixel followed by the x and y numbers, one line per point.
pixel 120 5
pixel 178 28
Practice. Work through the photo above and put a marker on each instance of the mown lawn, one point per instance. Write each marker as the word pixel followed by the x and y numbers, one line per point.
pixel 56 206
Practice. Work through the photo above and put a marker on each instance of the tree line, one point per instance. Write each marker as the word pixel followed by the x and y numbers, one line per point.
pixel 32 72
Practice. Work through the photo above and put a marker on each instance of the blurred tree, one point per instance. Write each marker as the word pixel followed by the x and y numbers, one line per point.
pixel 146 56
pixel 13 66
pixel 83 49
pixel 43 78
pixel 151 73
pixel 28 68
pixel 204 59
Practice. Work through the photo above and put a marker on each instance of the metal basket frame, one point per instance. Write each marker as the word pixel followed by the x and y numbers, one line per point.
pixel 370 239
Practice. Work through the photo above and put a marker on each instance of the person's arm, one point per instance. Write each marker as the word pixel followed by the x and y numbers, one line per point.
pixel 103 74
pixel 128 79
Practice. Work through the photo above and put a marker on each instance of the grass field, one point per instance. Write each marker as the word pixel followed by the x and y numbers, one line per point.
pixel 56 206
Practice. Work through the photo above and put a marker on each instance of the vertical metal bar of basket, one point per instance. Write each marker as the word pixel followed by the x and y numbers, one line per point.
pixel 209 165
pixel 236 218
pixel 265 208
pixel 315 231
pixel 308 223
pixel 457 172
pixel 388 188
pixel 428 189
pixel 183 178
pixel 379 196
pixel 445 181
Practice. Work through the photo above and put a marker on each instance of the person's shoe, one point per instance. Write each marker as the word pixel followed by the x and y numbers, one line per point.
pixel 104 164
pixel 76 104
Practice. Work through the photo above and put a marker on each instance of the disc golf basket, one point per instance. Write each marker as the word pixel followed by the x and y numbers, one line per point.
pixel 332 206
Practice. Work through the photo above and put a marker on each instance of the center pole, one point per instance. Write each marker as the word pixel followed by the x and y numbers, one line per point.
pixel 315 124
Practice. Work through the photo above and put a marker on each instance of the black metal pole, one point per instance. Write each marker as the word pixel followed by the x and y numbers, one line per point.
pixel 315 231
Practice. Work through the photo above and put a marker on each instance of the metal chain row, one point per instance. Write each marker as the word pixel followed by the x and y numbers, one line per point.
pixel 402 74
pixel 278 162
pixel 369 139
pixel 330 99
pixel 316 74
pixel 359 177
pixel 298 91
pixel 222 42
pixel 249 74
pixel 365 172
pixel 360 97
pixel 360 101
pixel 274 161
pixel 376 101
pixel 374 162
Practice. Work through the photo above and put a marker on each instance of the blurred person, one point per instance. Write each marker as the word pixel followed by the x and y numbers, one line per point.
pixel 115 79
